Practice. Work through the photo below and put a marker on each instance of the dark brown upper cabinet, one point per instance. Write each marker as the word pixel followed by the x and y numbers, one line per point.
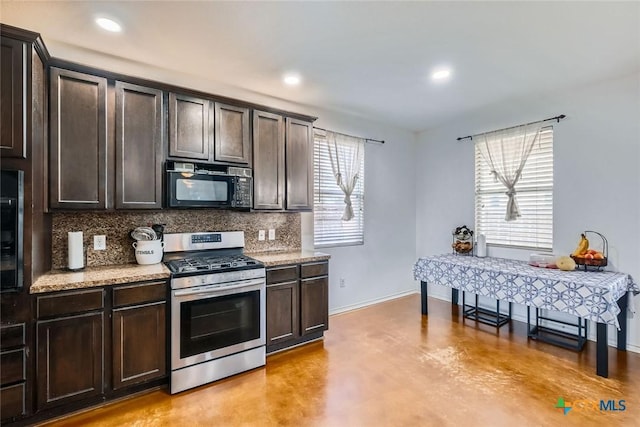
pixel 299 164
pixel 268 160
pixel 13 142
pixel 78 124
pixel 140 133
pixel 190 127
pixel 232 142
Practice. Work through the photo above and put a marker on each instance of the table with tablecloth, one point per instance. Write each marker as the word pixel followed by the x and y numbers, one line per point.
pixel 600 296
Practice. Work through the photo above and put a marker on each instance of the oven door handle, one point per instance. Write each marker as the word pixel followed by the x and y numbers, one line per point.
pixel 212 289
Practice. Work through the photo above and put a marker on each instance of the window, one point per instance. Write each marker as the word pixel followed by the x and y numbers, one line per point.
pixel 328 201
pixel 534 229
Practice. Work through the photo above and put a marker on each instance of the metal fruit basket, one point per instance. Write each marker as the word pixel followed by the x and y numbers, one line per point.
pixel 589 261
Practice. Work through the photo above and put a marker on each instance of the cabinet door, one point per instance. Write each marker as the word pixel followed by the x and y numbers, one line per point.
pixel 232 142
pixel 139 352
pixel 70 359
pixel 314 305
pixel 299 157
pixel 190 127
pixel 268 161
pixel 13 142
pixel 282 312
pixel 139 138
pixel 78 176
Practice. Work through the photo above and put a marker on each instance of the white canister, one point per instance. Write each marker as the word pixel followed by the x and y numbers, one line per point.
pixel 481 246
pixel 148 251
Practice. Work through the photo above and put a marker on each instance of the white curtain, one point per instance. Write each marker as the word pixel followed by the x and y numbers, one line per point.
pixel 345 153
pixel 506 152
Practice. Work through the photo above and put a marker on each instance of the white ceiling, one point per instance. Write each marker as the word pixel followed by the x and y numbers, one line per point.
pixel 371 59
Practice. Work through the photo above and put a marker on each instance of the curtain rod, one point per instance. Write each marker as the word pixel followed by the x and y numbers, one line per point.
pixel 366 139
pixel 558 118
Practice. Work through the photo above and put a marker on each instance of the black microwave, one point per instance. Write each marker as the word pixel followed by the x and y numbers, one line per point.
pixel 193 185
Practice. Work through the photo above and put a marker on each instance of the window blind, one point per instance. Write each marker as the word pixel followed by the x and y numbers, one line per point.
pixel 534 229
pixel 328 203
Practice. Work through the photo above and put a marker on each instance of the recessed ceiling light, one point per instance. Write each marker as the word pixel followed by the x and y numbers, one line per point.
pixel 442 74
pixel 109 25
pixel 292 79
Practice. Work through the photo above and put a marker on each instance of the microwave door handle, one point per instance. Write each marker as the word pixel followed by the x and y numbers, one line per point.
pixel 215 289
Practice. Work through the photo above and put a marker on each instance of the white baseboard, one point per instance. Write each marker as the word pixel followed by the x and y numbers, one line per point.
pixel 612 340
pixel 371 302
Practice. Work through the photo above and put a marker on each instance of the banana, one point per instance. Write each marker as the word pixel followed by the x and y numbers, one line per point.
pixel 583 246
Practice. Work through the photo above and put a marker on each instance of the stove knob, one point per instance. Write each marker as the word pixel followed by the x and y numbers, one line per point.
pixel 234 264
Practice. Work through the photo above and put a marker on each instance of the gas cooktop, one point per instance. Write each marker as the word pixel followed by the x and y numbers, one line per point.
pixel 208 263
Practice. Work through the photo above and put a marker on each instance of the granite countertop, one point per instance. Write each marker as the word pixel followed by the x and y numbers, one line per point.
pixel 61 280
pixel 272 259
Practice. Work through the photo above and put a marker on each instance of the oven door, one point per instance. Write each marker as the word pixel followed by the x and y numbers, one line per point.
pixel 185 190
pixel 209 322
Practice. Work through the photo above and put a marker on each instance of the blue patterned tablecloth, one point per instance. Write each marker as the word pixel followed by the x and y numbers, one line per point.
pixel 588 294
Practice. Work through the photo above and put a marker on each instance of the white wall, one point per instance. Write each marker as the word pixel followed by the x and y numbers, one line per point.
pixel 381 267
pixel 596 173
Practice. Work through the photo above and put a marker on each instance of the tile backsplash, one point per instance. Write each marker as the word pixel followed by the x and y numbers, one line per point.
pixel 117 226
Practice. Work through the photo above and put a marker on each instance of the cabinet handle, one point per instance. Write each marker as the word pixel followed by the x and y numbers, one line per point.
pixel 281 336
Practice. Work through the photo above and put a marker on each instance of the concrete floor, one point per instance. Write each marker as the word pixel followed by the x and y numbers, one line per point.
pixel 386 365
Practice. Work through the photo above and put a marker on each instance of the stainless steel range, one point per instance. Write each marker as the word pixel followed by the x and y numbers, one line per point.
pixel 217 307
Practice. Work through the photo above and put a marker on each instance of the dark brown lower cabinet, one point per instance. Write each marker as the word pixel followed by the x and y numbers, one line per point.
pixel 282 309
pixel 96 344
pixel 70 359
pixel 138 344
pixel 13 371
pixel 297 304
pixel 314 309
pixel 12 401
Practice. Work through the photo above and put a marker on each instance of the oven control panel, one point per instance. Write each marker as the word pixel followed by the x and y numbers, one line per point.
pixel 206 238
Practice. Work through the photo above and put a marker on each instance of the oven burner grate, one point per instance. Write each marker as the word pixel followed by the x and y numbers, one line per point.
pixel 210 263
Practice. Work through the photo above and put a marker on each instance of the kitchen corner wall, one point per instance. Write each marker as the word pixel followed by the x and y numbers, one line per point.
pixel 117 226
pixel 596 175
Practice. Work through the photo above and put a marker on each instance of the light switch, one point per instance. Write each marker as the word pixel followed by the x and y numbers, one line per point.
pixel 272 234
pixel 261 235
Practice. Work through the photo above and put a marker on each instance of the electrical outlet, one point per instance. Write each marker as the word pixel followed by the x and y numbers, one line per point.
pixel 261 235
pixel 272 234
pixel 99 243
pixel 342 283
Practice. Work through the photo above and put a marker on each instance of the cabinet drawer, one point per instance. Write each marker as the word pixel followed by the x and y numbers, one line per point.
pixel 12 336
pixel 70 303
pixel 139 294
pixel 314 269
pixel 12 366
pixel 12 401
pixel 282 274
